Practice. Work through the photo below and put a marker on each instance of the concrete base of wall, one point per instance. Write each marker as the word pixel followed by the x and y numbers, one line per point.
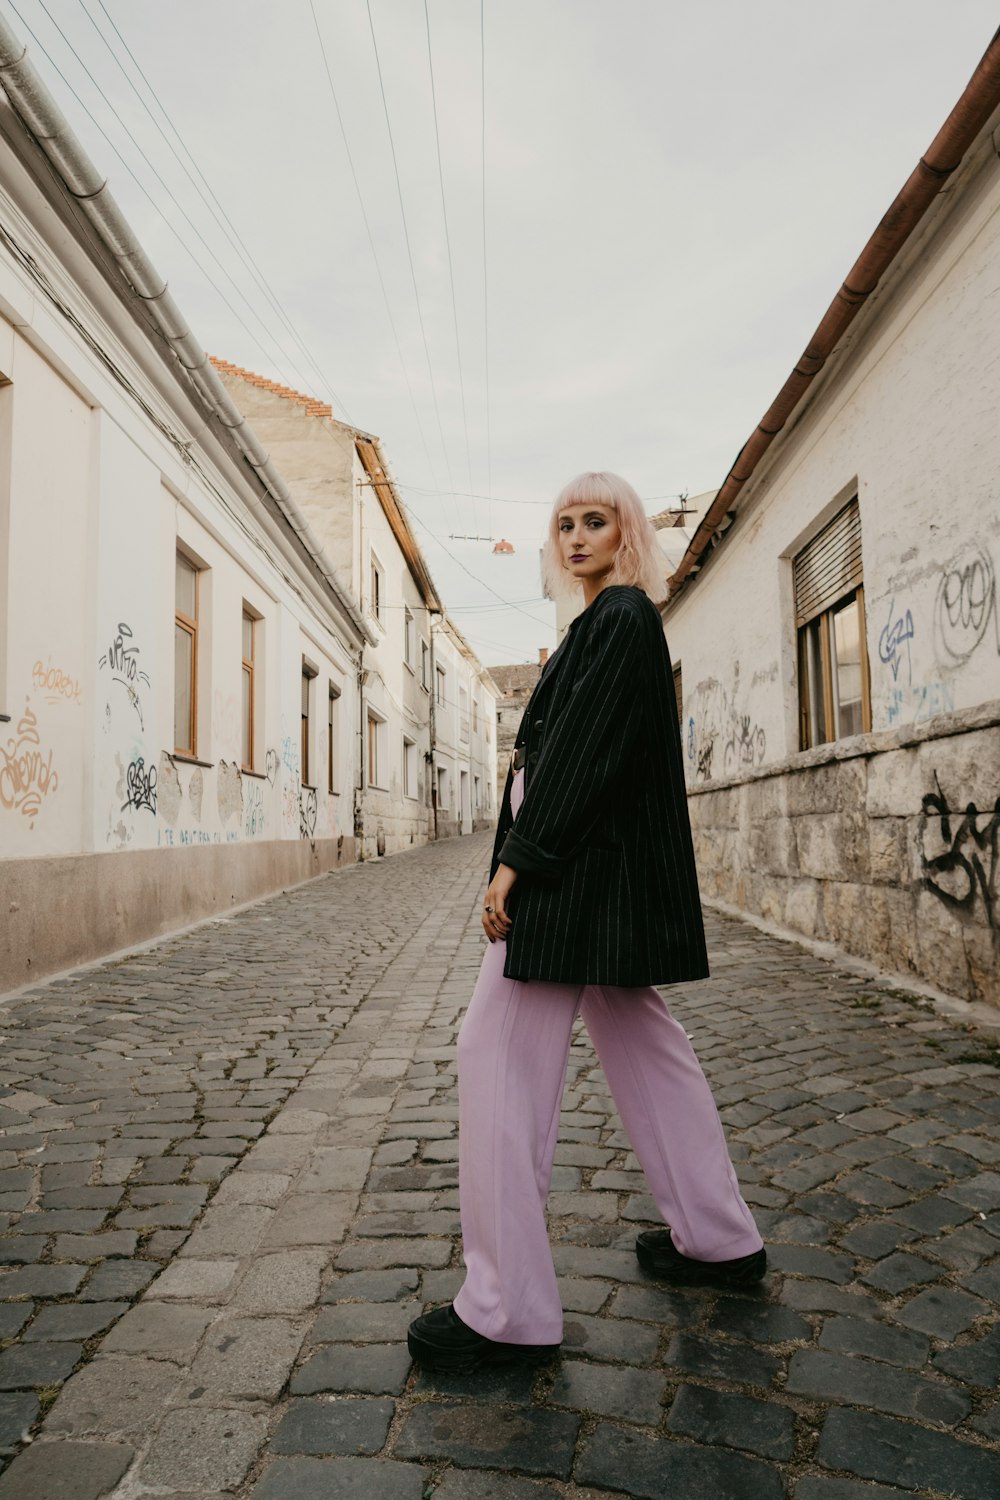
pixel 57 913
pixel 886 845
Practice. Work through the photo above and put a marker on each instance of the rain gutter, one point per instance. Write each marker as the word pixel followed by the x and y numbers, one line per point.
pixel 47 124
pixel 978 102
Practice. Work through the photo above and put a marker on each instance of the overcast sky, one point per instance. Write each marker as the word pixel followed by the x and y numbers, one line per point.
pixel 674 190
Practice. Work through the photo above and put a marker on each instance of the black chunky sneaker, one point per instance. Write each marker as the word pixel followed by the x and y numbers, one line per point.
pixel 660 1256
pixel 441 1341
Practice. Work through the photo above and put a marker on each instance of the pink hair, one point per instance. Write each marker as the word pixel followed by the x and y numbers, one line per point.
pixel 638 560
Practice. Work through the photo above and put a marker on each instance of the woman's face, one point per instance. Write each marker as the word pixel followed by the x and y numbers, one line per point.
pixel 589 537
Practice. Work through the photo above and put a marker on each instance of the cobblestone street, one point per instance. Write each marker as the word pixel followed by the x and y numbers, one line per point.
pixel 228 1183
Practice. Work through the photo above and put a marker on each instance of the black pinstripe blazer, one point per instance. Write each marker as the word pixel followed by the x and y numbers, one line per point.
pixel 607 891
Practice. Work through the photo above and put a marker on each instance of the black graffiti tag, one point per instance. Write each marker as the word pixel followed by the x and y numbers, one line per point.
pixel 966 869
pixel 122 659
pixel 966 603
pixel 308 807
pixel 140 786
pixel 746 746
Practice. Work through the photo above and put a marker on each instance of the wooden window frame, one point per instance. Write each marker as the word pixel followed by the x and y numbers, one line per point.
pixel 679 692
pixel 408 789
pixel 823 623
pixel 190 626
pixel 250 670
pixel 309 676
pixel 376 578
pixel 332 698
pixel 439 687
pixel 375 724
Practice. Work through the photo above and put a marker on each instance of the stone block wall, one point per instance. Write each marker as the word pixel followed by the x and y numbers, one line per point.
pixel 887 845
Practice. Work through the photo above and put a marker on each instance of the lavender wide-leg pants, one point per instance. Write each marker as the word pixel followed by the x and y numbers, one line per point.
pixel 512 1053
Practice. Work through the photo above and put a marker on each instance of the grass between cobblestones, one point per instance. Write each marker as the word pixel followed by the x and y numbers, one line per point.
pixel 228 1181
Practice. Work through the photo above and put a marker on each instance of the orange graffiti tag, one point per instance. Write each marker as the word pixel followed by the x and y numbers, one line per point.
pixel 26 774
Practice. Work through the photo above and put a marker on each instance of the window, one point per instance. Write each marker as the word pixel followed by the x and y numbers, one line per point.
pixel 439 695
pixel 185 657
pixel 375 600
pixel 308 673
pixel 249 657
pixel 475 794
pixel 331 739
pixel 475 714
pixel 442 787
pixel 407 637
pixel 834 696
pixel 409 767
pixel 463 714
pixel 425 655
pixel 679 693
pixel 376 750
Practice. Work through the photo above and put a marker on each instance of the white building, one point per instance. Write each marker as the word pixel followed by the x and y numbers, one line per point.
pixel 465 746
pixel 193 682
pixel 835 617
pixel 341 480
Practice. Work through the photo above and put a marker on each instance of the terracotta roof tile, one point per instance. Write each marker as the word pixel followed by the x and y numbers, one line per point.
pixel 313 406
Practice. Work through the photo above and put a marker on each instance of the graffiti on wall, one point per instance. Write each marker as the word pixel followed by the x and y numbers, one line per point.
pixel 271 764
pixel 721 741
pixel 919 702
pixel 966 606
pixel 122 661
pixel 253 809
pixel 959 857
pixel 140 786
pixel 308 808
pixel 57 686
pixel 27 776
pixel 894 642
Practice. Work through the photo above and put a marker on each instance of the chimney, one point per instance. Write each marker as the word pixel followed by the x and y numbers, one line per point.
pixel 543 655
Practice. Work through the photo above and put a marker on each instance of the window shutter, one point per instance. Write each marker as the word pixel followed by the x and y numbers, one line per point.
pixel 830 566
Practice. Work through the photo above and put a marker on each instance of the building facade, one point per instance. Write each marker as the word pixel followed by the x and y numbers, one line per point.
pixel 838 632
pixel 203 696
pixel 341 480
pixel 516 685
pixel 464 763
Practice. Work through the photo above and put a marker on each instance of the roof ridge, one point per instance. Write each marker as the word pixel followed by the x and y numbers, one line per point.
pixel 314 407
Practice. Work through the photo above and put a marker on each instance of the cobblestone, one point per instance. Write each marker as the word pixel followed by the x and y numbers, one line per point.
pixel 257 1122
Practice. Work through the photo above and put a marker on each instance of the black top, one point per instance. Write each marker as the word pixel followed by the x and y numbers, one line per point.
pixel 607 890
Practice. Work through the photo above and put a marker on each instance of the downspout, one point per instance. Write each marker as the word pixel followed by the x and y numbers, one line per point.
pixel 45 121
pixel 978 102
pixel 433 729
pixel 359 790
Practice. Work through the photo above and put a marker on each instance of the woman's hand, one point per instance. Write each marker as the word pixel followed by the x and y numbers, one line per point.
pixel 496 922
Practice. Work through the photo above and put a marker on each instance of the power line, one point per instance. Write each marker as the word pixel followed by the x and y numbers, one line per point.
pixel 447 240
pixel 482 582
pixel 409 252
pixel 224 222
pixel 142 188
pixel 371 243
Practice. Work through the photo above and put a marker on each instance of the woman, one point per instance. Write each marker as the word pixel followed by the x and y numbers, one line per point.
pixel 593 899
